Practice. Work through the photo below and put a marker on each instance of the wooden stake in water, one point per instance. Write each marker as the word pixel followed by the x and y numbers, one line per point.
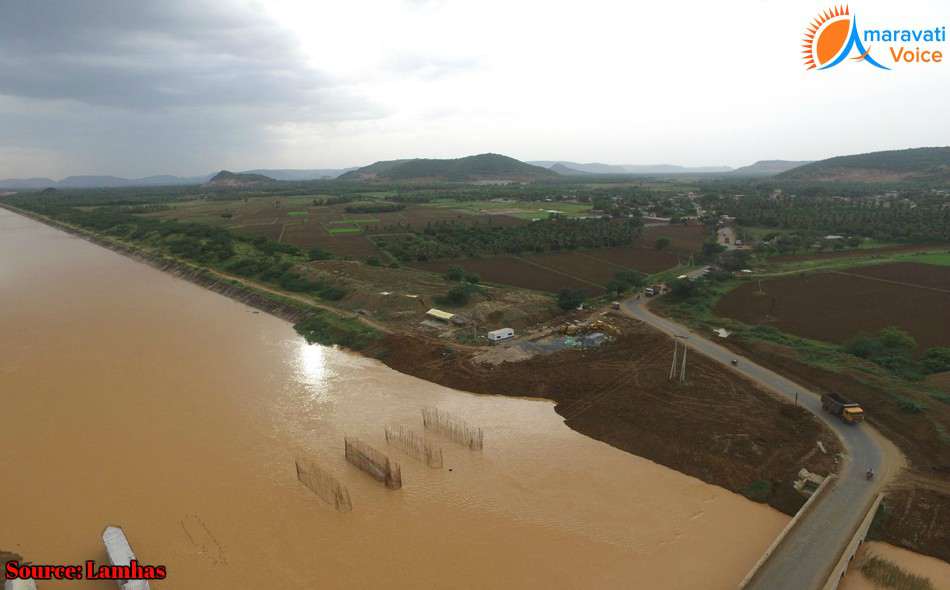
pixel 454 428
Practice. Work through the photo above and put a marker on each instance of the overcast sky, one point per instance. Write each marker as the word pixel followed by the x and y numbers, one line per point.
pixel 141 87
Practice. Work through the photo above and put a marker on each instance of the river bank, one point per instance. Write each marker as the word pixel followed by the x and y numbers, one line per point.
pixel 722 429
pixel 149 402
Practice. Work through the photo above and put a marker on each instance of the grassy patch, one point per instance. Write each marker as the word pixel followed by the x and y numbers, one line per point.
pixel 910 406
pixel 940 259
pixel 344 230
pixel 889 575
pixel 298 213
pixel 758 491
pixel 522 209
pixel 323 327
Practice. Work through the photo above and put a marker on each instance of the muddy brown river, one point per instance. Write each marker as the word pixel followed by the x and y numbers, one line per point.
pixel 131 397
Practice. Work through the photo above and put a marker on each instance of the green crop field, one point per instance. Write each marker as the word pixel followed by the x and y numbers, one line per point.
pixel 940 258
pixel 520 209
pixel 297 213
pixel 344 230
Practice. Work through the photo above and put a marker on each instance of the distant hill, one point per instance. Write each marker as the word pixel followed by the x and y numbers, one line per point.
pixel 918 164
pixel 562 169
pixel 226 179
pixel 480 167
pixel 575 168
pixel 673 169
pixel 768 167
pixel 598 168
pixel 82 182
pixel 26 183
pixel 299 175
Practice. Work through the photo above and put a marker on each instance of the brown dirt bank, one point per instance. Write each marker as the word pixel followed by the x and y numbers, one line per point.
pixel 718 427
pixel 917 510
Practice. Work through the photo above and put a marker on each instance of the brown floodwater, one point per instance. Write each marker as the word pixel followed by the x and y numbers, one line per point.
pixel 131 397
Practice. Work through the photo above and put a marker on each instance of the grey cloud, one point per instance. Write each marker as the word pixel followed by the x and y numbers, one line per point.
pixel 174 85
pixel 150 54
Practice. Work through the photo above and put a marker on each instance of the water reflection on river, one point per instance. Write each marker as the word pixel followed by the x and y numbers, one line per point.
pixel 134 398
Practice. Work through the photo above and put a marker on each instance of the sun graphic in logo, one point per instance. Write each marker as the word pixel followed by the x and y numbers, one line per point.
pixel 831 37
pixel 826 37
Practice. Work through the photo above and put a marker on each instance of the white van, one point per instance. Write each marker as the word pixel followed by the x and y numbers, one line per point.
pixel 501 334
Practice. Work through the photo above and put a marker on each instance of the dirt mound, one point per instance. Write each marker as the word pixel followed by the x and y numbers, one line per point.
pixel 717 427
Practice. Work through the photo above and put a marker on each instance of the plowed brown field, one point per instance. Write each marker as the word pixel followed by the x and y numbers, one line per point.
pixel 837 306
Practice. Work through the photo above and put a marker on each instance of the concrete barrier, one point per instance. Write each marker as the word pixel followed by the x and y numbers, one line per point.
pixel 841 568
pixel 788 528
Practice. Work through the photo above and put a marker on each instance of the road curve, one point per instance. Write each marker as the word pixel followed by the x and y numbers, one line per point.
pixel 808 553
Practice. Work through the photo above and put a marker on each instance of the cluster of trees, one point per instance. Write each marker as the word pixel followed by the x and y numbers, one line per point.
pixel 897 221
pixel 461 293
pixel 568 299
pixel 627 280
pixel 459 274
pixel 325 201
pixel 895 350
pixel 458 240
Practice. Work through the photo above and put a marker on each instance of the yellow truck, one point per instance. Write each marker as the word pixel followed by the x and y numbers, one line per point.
pixel 849 412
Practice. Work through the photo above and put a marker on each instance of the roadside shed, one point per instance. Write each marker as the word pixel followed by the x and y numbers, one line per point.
pixel 438 314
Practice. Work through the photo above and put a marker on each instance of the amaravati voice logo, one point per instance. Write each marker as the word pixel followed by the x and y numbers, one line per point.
pixel 834 37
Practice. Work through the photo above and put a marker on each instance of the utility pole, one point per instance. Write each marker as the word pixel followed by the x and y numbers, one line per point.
pixel 683 370
pixel 673 364
pixel 679 358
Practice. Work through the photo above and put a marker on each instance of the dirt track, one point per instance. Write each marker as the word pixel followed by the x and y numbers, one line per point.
pixel 718 427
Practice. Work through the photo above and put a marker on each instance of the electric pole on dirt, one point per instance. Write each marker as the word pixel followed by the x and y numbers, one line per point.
pixel 679 358
pixel 673 364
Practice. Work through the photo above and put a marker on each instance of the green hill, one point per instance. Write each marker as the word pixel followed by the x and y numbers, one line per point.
pixel 919 164
pixel 481 167
pixel 767 167
pixel 226 179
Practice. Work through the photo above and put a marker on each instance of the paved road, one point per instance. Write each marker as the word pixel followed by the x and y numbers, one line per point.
pixel 811 549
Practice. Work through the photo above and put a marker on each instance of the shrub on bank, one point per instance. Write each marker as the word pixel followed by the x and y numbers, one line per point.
pixel 323 327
